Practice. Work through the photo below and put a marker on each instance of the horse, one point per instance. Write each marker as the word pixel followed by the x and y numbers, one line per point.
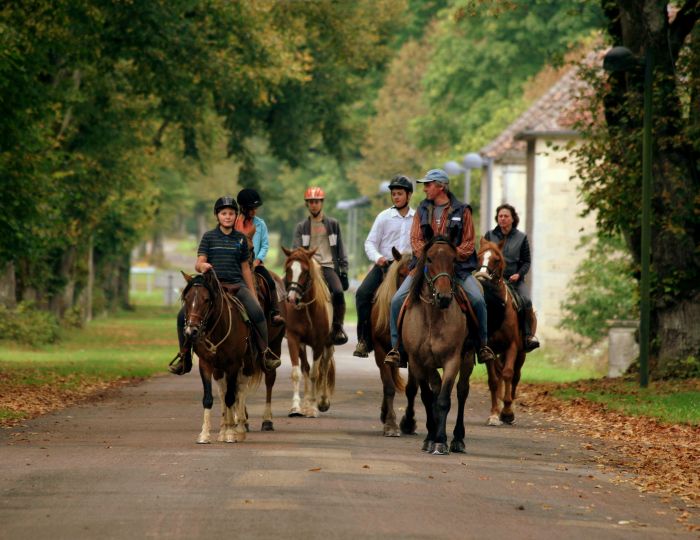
pixel 381 339
pixel 434 335
pixel 222 342
pixel 309 319
pixel 505 336
pixel 275 336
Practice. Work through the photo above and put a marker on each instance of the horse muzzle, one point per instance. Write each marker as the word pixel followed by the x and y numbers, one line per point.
pixel 443 300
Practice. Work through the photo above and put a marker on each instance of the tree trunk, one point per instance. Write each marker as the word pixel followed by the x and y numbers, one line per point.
pixel 678 332
pixel 63 300
pixel 201 224
pixel 90 279
pixel 8 289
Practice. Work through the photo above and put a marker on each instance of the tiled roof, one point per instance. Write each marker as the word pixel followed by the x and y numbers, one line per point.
pixel 554 112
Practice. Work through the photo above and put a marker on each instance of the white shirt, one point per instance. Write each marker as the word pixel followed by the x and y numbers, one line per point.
pixel 390 229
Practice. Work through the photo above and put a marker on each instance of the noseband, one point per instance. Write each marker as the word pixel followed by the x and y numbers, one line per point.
pixel 430 280
pixel 205 318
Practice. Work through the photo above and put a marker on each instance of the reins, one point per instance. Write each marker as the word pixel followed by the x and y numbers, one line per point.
pixel 204 327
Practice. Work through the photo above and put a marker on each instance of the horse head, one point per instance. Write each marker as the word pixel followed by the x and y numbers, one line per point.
pixel 401 263
pixel 491 263
pixel 198 298
pixel 438 259
pixel 297 273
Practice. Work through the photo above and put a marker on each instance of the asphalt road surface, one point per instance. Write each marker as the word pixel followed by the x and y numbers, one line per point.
pixel 128 467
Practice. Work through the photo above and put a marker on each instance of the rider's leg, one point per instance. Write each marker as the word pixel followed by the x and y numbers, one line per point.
pixel 339 337
pixel 275 317
pixel 531 342
pixel 182 363
pixel 394 356
pixel 476 298
pixel 257 317
pixel 363 302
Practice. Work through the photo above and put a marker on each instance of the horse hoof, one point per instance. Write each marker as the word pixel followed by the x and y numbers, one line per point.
pixel 267 426
pixel 204 440
pixel 508 418
pixel 428 446
pixel 323 406
pixel 391 431
pixel 439 449
pixel 311 413
pixel 230 438
pixel 458 447
pixel 408 427
pixel 295 411
pixel 493 421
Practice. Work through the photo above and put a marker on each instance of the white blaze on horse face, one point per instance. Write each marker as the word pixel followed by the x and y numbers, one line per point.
pixel 296 270
pixel 485 263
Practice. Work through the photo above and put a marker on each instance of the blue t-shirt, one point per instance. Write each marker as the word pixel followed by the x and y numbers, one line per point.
pixel 226 253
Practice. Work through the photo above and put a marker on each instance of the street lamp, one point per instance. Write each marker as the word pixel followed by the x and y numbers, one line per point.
pixel 620 59
pixel 469 162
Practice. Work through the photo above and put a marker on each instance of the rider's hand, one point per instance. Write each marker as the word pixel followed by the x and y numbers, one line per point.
pixel 382 261
pixel 205 267
pixel 344 281
pixel 257 262
pixel 514 278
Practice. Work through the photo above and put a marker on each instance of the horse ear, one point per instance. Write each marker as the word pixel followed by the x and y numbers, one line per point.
pixel 395 252
pixel 501 244
pixel 188 277
pixel 287 252
pixel 312 252
pixel 428 233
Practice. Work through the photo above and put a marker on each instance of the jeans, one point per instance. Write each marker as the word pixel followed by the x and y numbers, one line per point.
pixel 363 301
pixel 470 286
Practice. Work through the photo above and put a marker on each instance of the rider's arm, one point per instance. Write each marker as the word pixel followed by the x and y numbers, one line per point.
pixel 248 278
pixel 524 259
pixel 264 240
pixel 202 265
pixel 417 241
pixel 466 245
pixel 374 239
pixel 342 255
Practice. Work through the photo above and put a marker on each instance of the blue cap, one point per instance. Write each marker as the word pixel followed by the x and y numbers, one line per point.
pixel 435 175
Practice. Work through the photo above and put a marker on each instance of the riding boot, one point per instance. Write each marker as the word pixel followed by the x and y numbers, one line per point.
pixel 361 349
pixel 485 354
pixel 275 318
pixel 531 341
pixel 182 363
pixel 338 337
pixel 270 361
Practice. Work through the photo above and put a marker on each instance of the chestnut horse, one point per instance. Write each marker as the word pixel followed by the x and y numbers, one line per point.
pixel 309 318
pixel 434 334
pixel 222 342
pixel 505 335
pixel 381 339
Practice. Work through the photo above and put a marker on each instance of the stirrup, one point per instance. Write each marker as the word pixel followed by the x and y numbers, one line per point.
pixel 270 360
pixel 393 357
pixel 178 365
pixel 361 350
pixel 485 354
pixel 339 336
pixel 531 343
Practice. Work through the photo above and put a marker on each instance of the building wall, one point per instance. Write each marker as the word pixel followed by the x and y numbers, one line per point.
pixel 509 185
pixel 556 231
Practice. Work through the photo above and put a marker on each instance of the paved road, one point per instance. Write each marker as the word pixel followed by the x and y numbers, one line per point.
pixel 128 467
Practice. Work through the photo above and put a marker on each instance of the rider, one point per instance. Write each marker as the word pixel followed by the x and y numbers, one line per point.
pixel 255 228
pixel 443 213
pixel 391 228
pixel 323 233
pixel 516 251
pixel 225 250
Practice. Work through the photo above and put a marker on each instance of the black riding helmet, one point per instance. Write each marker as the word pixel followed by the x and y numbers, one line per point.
pixel 249 198
pixel 225 202
pixel 401 182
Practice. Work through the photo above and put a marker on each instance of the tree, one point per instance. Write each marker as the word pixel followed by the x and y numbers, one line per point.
pixel 610 163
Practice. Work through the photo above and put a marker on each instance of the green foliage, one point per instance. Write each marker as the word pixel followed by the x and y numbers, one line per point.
pixel 684 368
pixel 28 325
pixel 603 289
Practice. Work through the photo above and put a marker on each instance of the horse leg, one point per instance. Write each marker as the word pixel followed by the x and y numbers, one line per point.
pixel 240 383
pixel 326 378
pixel 507 414
pixel 442 404
pixel 408 422
pixel 387 374
pixel 465 372
pixel 270 377
pixel 294 353
pixel 207 402
pixel 225 411
pixel 427 397
pixel 310 409
pixel 493 369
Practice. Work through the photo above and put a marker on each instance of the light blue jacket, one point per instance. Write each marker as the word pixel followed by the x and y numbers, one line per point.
pixel 261 240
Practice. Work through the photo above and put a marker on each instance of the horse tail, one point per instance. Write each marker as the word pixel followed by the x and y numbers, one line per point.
pixel 382 298
pixel 331 376
pixel 399 382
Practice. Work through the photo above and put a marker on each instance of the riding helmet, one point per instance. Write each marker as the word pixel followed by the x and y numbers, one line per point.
pixel 314 193
pixel 249 198
pixel 401 182
pixel 225 202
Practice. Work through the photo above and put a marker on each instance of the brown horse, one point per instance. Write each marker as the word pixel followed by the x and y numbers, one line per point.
pixel 222 342
pixel 309 318
pixel 505 335
pixel 434 334
pixel 381 339
pixel 275 336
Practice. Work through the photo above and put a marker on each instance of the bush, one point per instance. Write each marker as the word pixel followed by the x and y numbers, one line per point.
pixel 29 325
pixel 603 289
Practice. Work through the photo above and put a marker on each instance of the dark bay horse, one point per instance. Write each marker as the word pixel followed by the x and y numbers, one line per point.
pixel 309 318
pixel 505 334
pixel 381 339
pixel 222 342
pixel 434 333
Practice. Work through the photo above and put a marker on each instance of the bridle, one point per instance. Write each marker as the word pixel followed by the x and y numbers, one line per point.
pixel 430 280
pixel 204 323
pixel 301 290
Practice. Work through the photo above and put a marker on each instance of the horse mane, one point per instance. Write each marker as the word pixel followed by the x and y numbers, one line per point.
pixel 386 292
pixel 199 279
pixel 319 289
pixel 419 277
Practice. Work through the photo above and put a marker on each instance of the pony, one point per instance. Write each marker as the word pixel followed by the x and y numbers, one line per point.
pixel 381 339
pixel 221 340
pixel 309 319
pixel 506 338
pixel 434 335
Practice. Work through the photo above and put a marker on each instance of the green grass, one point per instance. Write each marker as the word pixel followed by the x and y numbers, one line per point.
pixel 669 401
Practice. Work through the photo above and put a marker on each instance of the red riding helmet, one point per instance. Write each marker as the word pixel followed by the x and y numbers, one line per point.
pixel 314 193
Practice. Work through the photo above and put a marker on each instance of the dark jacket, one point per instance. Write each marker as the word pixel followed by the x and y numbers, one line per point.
pixel 516 251
pixel 302 238
pixel 455 229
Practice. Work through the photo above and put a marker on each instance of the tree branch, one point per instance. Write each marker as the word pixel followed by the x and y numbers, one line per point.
pixel 682 25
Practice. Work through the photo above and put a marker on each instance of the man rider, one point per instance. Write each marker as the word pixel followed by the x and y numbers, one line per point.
pixel 391 228
pixel 322 233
